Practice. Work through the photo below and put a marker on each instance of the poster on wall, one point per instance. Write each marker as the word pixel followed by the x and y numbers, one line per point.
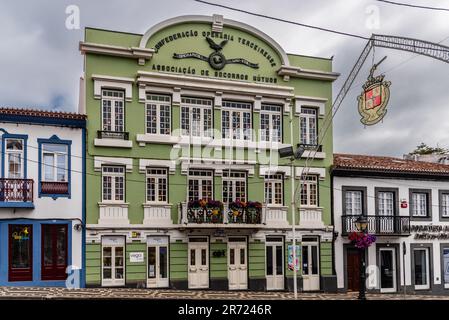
pixel 290 257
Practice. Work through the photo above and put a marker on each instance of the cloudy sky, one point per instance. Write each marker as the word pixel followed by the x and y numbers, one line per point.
pixel 40 64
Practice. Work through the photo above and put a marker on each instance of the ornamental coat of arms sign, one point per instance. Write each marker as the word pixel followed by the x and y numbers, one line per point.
pixel 374 99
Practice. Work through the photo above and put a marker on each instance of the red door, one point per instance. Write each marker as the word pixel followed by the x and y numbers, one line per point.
pixel 353 269
pixel 54 251
pixel 20 253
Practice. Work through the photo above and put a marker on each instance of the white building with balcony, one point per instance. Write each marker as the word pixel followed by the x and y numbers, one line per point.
pixel 406 204
pixel 41 197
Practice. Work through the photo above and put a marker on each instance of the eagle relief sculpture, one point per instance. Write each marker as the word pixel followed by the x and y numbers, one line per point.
pixel 216 59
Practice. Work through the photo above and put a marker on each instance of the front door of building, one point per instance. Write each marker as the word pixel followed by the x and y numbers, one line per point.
pixel 54 251
pixel 20 264
pixel 353 262
pixel 198 276
pixel 113 261
pixel 274 265
pixel 237 264
pixel 387 259
pixel 157 272
pixel 310 265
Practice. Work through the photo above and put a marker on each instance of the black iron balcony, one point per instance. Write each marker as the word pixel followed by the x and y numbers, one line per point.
pixel 119 135
pixel 379 225
pixel 16 192
pixel 194 214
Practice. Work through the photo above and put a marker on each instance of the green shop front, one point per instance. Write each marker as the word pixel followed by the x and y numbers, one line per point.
pixel 185 187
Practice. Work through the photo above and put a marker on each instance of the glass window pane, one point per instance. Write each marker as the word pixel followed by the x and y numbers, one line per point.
pixel 269 261
pixel 151 262
pixel 62 168
pixel 203 257
pixel 163 262
pixel 232 256
pixel 242 256
pixel 279 260
pixel 107 273
pixel 20 238
pixel 192 257
pixel 420 266
pixel 61 245
pixel 314 259
pixel 47 245
pixel 49 167
pixel 305 260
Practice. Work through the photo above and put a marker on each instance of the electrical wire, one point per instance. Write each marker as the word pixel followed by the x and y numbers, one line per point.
pixel 221 184
pixel 413 5
pixel 342 33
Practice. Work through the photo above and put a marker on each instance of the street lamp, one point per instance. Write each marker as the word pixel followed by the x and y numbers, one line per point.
pixel 294 155
pixel 362 226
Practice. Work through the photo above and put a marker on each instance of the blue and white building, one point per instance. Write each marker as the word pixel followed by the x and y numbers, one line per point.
pixel 41 197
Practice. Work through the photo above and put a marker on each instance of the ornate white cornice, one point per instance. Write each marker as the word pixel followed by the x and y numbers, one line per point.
pixel 212 84
pixel 297 72
pixel 142 54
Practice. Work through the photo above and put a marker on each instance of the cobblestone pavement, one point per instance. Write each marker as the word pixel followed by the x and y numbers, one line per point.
pixel 129 293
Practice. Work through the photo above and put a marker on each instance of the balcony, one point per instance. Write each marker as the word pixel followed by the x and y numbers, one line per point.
pixel 16 193
pixel 379 225
pixel 157 215
pixel 113 214
pixel 221 217
pixel 275 216
pixel 311 218
pixel 115 139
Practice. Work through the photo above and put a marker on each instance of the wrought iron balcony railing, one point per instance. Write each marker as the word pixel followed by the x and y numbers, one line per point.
pixel 224 215
pixel 16 190
pixel 119 135
pixel 379 225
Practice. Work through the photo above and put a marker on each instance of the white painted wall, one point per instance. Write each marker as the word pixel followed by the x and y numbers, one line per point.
pixel 47 208
pixel 403 185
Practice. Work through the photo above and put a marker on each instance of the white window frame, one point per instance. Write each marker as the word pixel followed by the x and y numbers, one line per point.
pixel 241 108
pixel 159 101
pixel 116 96
pixel 353 210
pixel 113 281
pixel 15 153
pixel 417 201
pixel 230 179
pixel 385 206
pixel 201 175
pixel 271 182
pixel 157 174
pixel 203 104
pixel 306 182
pixel 305 133
pixel 271 111
pixel 114 175
pixel 444 204
pixel 55 166
pixel 427 255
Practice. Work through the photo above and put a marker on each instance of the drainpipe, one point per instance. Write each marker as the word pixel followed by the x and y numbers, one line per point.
pixel 292 175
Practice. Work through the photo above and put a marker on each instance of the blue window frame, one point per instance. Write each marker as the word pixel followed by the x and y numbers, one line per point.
pixel 7 136
pixel 54 167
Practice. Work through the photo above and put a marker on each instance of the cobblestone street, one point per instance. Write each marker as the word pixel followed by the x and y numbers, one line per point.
pixel 128 293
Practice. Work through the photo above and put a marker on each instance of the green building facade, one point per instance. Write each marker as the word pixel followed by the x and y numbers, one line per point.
pixel 185 186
